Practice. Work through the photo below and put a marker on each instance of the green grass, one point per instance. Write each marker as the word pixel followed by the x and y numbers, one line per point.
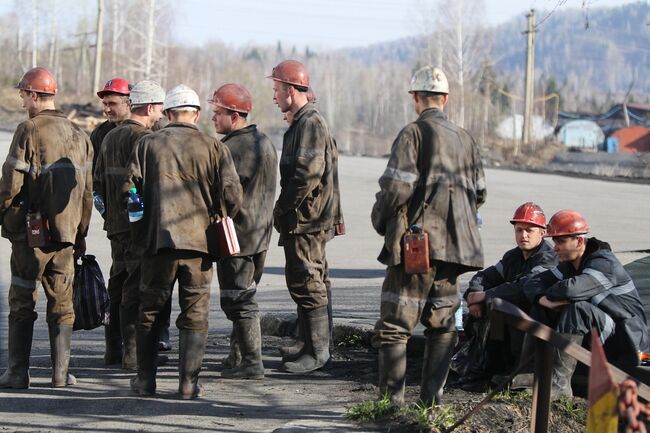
pixel 372 410
pixel 511 397
pixel 570 408
pixel 433 417
pixel 350 340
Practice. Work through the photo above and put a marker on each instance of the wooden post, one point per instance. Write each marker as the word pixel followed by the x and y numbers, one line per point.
pixel 541 387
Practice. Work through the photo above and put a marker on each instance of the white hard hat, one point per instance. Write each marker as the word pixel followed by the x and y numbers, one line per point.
pixel 146 92
pixel 429 79
pixel 181 96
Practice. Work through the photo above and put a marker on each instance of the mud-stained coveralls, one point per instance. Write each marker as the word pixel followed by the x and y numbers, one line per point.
pixel 306 206
pixel 110 171
pixel 434 168
pixel 256 162
pixel 505 280
pixel 602 295
pixel 48 165
pixel 181 175
pixel 97 137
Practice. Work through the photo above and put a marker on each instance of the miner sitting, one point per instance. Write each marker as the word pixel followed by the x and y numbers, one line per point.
pixel 505 280
pixel 588 289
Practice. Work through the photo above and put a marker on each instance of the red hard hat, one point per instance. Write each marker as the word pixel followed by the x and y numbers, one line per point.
pixel 529 213
pixel 38 80
pixel 233 97
pixel 291 72
pixel 567 223
pixel 116 85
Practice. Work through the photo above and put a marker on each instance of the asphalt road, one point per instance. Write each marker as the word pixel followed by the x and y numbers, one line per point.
pixel 617 212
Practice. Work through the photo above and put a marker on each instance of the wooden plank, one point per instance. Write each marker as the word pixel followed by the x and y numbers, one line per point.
pixel 522 321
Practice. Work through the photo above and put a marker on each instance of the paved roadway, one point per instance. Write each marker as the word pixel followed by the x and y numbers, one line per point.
pixel 617 212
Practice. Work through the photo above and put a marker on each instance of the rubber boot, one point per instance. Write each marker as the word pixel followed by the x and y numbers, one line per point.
pixel 250 338
pixel 293 352
pixel 392 372
pixel 192 349
pixel 20 345
pixel 524 380
pixel 113 337
pixel 147 352
pixel 60 336
pixel 128 320
pixel 316 352
pixel 563 368
pixel 438 351
pixel 234 356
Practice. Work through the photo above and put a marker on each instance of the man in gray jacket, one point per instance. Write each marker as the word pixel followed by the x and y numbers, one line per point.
pixel 183 176
pixel 256 162
pixel 434 180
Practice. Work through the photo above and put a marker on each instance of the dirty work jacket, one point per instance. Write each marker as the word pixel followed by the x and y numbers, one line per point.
pixel 49 164
pixel 602 281
pixel 434 165
pixel 256 161
pixel 110 171
pixel 97 137
pixel 505 280
pixel 307 203
pixel 180 174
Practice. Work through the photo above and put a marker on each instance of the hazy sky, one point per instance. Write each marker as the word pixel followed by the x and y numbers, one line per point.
pixel 317 23
pixel 331 23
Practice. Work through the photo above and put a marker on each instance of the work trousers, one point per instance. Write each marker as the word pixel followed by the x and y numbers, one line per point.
pixel 124 279
pixel 193 271
pixel 54 267
pixel 306 269
pixel 432 298
pixel 238 279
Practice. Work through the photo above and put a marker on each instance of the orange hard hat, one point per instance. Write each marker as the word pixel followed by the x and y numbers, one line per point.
pixel 291 72
pixel 529 213
pixel 38 80
pixel 567 223
pixel 116 85
pixel 233 97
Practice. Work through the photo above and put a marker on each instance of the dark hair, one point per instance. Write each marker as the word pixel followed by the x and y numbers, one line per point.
pixel 430 96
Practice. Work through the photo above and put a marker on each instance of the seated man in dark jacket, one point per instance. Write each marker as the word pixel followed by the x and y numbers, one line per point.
pixel 505 280
pixel 588 289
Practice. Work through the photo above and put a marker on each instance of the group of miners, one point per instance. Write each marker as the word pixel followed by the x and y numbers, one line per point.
pixel 189 182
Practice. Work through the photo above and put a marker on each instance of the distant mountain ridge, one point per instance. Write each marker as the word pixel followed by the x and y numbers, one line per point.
pixel 609 56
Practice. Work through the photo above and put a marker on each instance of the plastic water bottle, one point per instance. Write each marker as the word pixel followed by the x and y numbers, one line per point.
pixel 135 206
pixel 459 315
pixel 479 220
pixel 99 203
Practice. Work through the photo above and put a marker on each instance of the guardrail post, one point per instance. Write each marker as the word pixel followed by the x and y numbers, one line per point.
pixel 541 387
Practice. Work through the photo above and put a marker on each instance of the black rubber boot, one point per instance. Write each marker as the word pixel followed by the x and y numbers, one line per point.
pixel 316 352
pixel 147 348
pixel 392 372
pixel 234 355
pixel 250 338
pixel 293 352
pixel 435 365
pixel 563 368
pixel 113 337
pixel 20 345
pixel 60 336
pixel 192 349
pixel 128 321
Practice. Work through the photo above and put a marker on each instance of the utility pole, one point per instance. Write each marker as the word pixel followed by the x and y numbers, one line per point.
pixel 98 44
pixel 530 77
pixel 150 40
pixel 34 33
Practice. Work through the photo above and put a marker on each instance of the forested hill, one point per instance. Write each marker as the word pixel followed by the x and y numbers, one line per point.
pixel 605 49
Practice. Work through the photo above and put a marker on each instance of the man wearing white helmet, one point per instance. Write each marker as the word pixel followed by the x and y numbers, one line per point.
pixel 146 104
pixel 183 177
pixel 434 180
